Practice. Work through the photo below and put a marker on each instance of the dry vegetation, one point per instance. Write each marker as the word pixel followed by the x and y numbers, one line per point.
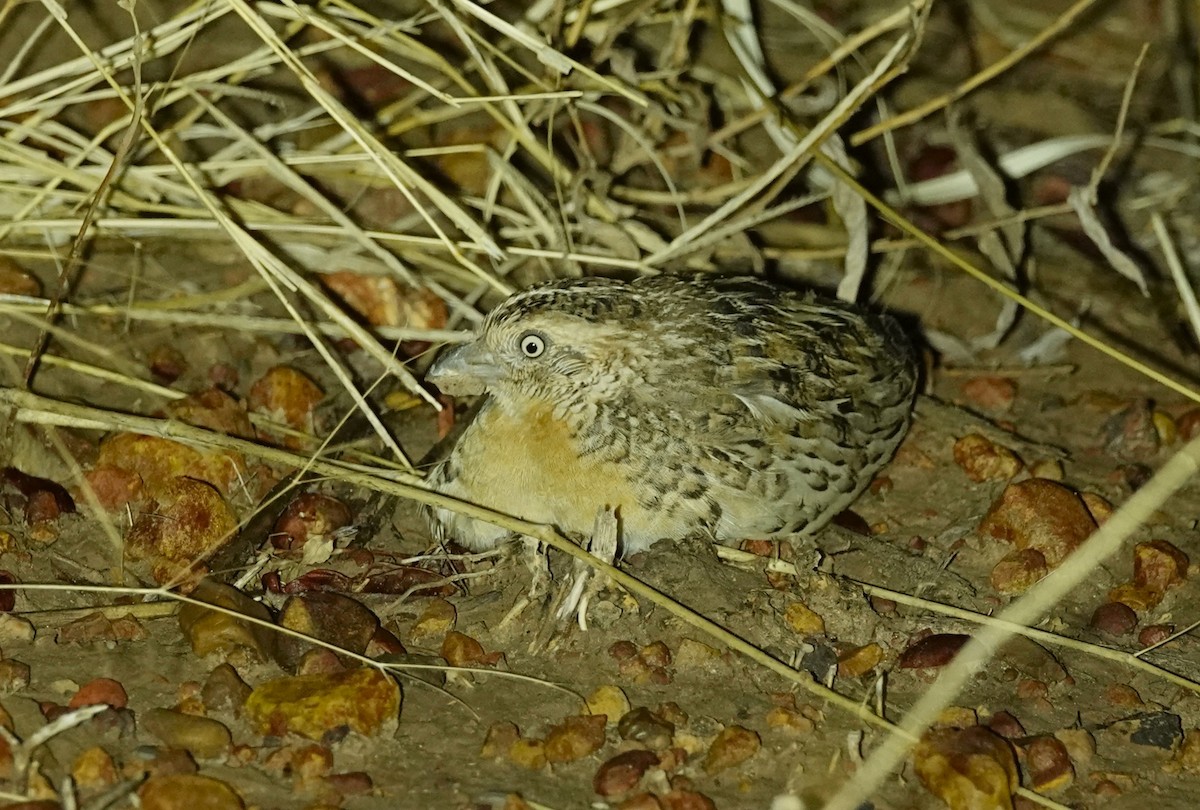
pixel 232 232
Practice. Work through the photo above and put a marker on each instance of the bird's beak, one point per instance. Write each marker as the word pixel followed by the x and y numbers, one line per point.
pixel 466 369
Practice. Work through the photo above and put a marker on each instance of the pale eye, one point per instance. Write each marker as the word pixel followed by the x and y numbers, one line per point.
pixel 532 344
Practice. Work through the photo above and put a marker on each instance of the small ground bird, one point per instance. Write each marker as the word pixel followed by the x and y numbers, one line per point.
pixel 720 407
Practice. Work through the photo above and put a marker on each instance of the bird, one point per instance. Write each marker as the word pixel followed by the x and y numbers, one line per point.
pixel 721 407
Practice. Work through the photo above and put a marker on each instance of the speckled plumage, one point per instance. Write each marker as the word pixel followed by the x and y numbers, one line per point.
pixel 722 407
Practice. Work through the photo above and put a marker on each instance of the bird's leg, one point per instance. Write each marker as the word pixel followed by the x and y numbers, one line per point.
pixel 580 584
pixel 605 537
pixel 537 560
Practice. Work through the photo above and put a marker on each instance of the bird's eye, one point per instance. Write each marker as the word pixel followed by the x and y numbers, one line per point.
pixel 532 344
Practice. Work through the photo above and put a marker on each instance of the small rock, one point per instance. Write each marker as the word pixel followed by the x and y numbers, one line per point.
pixel 1154 634
pixel 384 642
pixel 820 661
pixel 694 654
pixel 16 630
pixel 309 515
pixel 166 363
pixel 188 792
pixel 575 738
pixel 622 650
pixel 94 770
pixel 1114 618
pixel 1019 571
pixel 608 700
pixel 14 676
pixel 500 738
pixel 189 521
pixel 1122 694
pixel 1080 744
pixel 789 719
pixel 641 801
pixel 528 753
pixel 643 726
pixel 331 617
pixel 858 661
pixel 460 650
pixel 100 691
pixel 1158 565
pixel 733 746
pixel 621 774
pixel 1049 764
pixel 990 393
pixel 968 768
pixel 114 487
pixel 203 737
pixel 1158 729
pixel 319 661
pixel 1136 598
pixel 362 700
pixel 43 500
pixel 438 619
pixel 224 690
pixel 98 627
pixel 1042 515
pixel 803 620
pixel 1006 725
pixel 210 631
pixel 984 460
pixel 956 717
pixel 1131 434
pixel 932 651
pixel 1050 469
pixel 1098 507
pixel 656 654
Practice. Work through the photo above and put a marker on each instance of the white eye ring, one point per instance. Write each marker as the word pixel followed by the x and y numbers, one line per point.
pixel 532 344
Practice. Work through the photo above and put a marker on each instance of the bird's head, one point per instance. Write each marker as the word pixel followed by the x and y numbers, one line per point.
pixel 554 341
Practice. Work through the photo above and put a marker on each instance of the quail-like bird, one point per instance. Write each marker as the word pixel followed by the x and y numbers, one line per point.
pixel 727 408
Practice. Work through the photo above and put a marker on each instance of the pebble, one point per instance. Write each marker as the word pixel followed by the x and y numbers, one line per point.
pixel 188 792
pixel 99 691
pixel 203 737
pixel 967 768
pixel 327 616
pixel 646 728
pixel 622 773
pixel 224 690
pixel 575 738
pixel 1042 515
pixel 363 700
pixel 733 746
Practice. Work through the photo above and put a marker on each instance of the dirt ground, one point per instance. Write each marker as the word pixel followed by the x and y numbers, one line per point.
pixel 1083 728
